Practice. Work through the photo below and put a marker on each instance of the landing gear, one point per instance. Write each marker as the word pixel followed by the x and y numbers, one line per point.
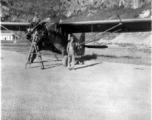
pixel 65 61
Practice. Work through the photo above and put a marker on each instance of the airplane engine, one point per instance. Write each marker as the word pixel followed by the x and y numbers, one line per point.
pixel 29 34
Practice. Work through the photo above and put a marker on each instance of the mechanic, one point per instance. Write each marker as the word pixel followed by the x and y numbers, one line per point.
pixel 71 54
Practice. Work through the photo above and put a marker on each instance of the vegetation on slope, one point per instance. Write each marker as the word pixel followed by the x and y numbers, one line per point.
pixel 23 10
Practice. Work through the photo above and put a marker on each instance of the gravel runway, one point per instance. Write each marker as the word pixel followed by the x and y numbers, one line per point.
pixel 94 91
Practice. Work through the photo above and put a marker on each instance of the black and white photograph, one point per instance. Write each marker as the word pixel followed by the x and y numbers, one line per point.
pixel 75 59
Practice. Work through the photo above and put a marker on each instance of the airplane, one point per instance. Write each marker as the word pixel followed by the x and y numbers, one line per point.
pixel 56 35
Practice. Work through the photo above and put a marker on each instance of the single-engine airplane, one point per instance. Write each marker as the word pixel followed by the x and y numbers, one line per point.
pixel 54 36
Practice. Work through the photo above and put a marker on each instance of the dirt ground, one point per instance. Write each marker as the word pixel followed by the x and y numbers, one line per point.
pixel 96 90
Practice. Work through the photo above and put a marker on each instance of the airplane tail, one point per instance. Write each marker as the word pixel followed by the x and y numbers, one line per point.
pixel 82 40
pixel 81 49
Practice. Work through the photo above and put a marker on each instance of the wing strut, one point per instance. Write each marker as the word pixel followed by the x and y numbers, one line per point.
pixel 97 40
pixel 105 32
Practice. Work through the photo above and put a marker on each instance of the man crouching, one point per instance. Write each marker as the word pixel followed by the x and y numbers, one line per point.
pixel 71 54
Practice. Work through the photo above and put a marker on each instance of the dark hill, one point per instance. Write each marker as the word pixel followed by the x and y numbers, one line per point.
pixel 73 10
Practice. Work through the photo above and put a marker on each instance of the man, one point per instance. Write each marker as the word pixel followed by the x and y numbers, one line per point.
pixel 36 19
pixel 71 54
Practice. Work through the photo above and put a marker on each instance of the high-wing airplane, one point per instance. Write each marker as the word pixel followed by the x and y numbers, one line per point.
pixel 54 36
pixel 16 26
pixel 130 25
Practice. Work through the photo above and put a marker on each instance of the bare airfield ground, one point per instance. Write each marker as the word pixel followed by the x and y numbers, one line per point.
pixel 98 90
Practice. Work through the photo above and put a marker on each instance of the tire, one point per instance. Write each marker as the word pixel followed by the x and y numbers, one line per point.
pixel 65 61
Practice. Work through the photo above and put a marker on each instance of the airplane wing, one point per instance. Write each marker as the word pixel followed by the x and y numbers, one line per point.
pixel 19 26
pixel 124 25
pixel 14 26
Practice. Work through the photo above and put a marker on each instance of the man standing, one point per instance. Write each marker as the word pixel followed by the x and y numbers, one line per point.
pixel 36 19
pixel 71 54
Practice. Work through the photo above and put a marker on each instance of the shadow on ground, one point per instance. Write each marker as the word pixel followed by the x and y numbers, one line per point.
pixel 45 66
pixel 89 57
pixel 86 58
pixel 82 59
pixel 88 65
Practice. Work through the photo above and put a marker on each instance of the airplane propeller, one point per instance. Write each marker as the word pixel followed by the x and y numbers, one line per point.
pixel 30 31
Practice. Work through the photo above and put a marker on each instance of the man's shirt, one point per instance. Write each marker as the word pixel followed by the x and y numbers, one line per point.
pixel 71 48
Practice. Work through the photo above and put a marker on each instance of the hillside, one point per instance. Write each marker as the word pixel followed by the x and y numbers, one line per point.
pixel 23 10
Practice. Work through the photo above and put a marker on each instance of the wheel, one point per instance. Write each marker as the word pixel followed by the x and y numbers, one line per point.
pixel 65 61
